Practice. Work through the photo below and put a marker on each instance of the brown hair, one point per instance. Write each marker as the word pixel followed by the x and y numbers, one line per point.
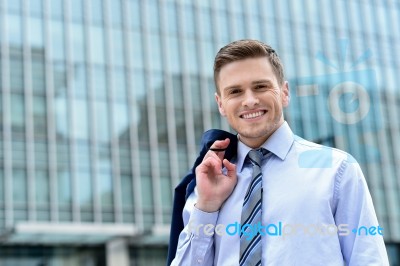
pixel 243 49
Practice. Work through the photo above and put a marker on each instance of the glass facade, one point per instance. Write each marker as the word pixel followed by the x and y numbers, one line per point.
pixel 103 103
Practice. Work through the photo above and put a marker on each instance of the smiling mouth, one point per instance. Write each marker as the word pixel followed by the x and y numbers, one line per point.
pixel 253 115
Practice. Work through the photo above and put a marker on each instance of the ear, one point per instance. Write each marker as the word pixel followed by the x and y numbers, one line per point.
pixel 285 94
pixel 219 103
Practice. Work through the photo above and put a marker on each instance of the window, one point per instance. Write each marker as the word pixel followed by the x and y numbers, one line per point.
pixel 57 11
pixel 39 117
pixel 80 128
pixel 17 113
pixel 116 13
pixel 57 40
pixel 96 12
pixel 102 127
pixel 97 55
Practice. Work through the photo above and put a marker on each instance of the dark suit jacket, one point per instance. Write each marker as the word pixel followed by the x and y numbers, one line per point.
pixel 188 183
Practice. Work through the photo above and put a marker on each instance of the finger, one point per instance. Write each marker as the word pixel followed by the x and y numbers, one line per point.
pixel 219 147
pixel 230 168
pixel 220 144
pixel 210 163
pixel 213 154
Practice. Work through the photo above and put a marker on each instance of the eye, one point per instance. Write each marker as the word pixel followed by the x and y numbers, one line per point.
pixel 234 91
pixel 260 87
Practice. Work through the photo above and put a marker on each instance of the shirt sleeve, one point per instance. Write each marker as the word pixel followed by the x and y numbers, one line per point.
pixel 361 239
pixel 196 241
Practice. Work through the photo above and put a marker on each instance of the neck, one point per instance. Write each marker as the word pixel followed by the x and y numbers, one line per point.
pixel 256 142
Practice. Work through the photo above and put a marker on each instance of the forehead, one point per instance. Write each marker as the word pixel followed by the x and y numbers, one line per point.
pixel 246 71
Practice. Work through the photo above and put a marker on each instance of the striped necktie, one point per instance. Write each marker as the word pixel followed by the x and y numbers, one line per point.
pixel 251 248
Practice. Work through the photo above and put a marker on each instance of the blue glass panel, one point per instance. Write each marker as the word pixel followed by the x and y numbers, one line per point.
pixel 64 187
pixel 106 189
pixel 121 122
pixel 14 6
pixel 97 52
pixel 152 15
pixel 42 188
pixel 134 14
pixel 77 40
pixel 116 13
pixel 171 16
pixel 173 55
pixel 154 53
pixel 96 10
pixel 2 194
pixel 38 74
pixel 76 10
pixel 20 195
pixel 17 112
pixel 205 23
pixel 57 40
pixel 41 154
pixel 99 79
pixel 117 51
pixel 16 72
pixel 39 116
pixel 191 60
pixel 14 30
pixel 85 188
pixel 126 190
pixel 82 156
pixel 119 83
pixel 36 40
pixel 125 160
pixel 102 127
pixel 80 129
pixel 187 26
pixel 136 53
pixel 56 9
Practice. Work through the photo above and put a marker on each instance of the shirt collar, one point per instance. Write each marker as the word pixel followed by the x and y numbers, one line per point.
pixel 278 143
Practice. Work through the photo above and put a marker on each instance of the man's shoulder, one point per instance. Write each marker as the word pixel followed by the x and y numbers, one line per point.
pixel 309 151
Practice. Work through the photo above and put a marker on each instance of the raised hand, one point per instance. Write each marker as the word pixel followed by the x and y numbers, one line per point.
pixel 212 185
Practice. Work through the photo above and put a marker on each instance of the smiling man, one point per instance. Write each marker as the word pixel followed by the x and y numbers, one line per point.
pixel 258 177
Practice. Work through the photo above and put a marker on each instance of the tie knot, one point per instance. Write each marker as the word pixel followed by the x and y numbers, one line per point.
pixel 257 155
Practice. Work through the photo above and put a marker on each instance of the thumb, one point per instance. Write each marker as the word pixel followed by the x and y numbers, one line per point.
pixel 221 145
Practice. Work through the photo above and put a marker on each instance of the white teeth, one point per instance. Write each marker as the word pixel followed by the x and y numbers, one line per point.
pixel 253 115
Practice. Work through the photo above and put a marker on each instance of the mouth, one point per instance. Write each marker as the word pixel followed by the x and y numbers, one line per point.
pixel 252 115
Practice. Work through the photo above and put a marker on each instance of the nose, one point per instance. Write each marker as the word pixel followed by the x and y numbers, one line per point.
pixel 250 99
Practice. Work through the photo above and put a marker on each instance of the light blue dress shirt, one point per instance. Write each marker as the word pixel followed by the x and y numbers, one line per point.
pixel 317 210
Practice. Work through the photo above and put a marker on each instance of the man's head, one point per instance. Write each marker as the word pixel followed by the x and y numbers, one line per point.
pixel 243 49
pixel 251 91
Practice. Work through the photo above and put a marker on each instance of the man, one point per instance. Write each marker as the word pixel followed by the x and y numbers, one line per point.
pixel 266 196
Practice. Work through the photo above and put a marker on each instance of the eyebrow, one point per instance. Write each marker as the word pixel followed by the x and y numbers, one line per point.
pixel 262 81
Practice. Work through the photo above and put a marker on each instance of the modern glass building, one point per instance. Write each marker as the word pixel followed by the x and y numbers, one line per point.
pixel 103 103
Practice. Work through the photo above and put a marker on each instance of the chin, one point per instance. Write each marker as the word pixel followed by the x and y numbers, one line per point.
pixel 253 133
pixel 263 131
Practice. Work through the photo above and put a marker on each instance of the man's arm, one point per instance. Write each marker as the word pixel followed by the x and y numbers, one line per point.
pixel 213 187
pixel 362 245
pixel 196 241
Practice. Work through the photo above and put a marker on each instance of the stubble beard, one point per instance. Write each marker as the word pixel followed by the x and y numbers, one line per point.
pixel 264 131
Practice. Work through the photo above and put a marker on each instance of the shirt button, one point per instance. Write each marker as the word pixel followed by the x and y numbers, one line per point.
pixel 199 260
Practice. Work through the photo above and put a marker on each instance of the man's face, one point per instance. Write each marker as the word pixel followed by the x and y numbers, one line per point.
pixel 251 99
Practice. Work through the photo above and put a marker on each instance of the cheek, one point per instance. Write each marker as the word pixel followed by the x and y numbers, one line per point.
pixel 274 100
pixel 231 106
